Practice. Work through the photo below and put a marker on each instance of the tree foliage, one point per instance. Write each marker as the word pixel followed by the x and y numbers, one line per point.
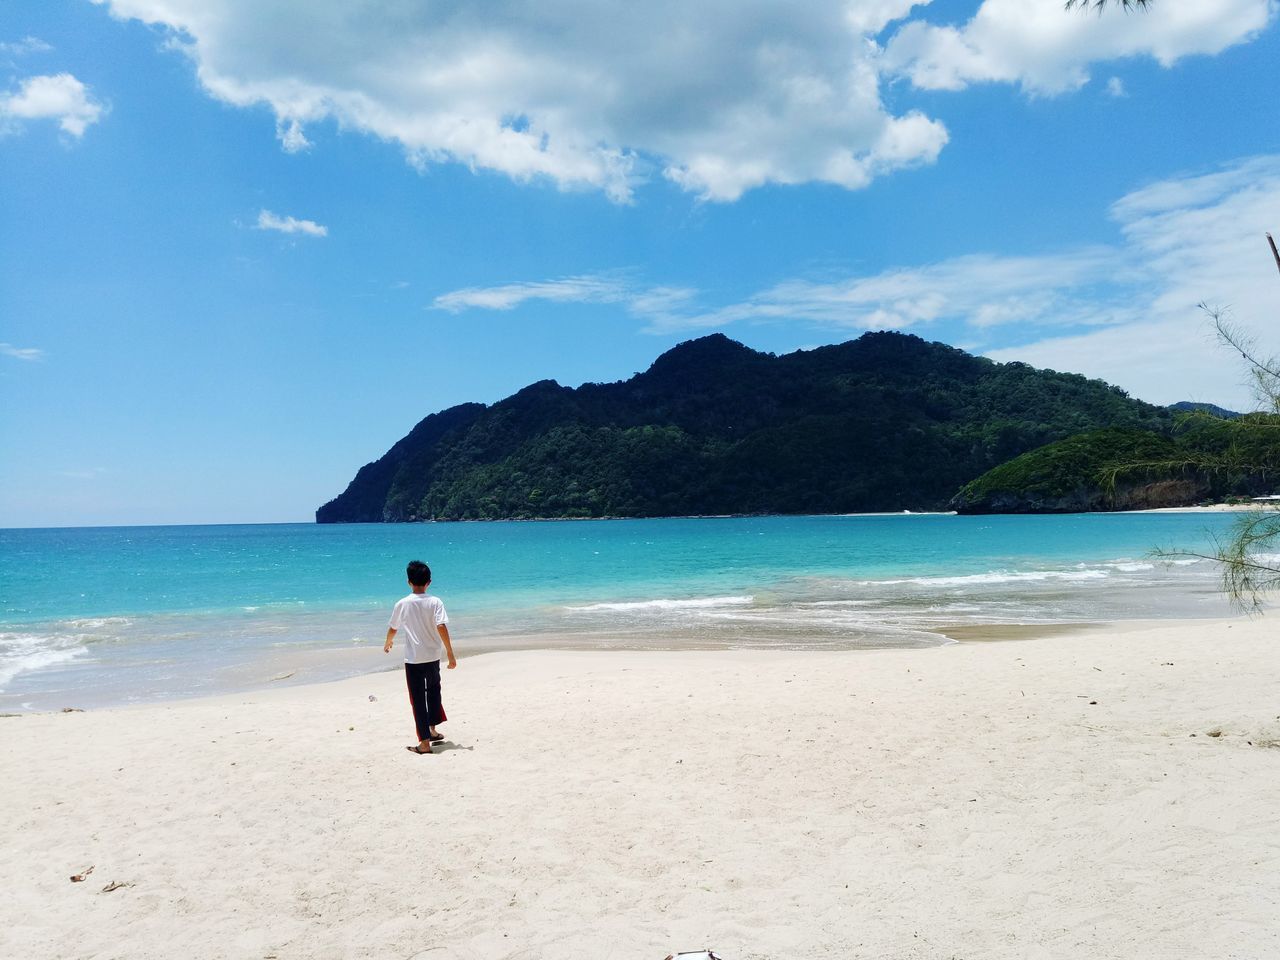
pixel 1250 556
pixel 884 422
pixel 1202 458
pixel 1099 5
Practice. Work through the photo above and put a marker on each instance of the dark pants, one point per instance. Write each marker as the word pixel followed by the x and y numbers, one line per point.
pixel 424 694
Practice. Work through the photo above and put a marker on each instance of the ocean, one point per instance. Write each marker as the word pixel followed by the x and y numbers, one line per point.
pixel 115 615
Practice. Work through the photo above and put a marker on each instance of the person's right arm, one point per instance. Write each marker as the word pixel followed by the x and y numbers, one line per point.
pixel 396 622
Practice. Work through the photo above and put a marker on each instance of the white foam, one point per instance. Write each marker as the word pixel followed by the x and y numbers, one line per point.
pixel 836 603
pixel 998 576
pixel 637 606
pixel 97 623
pixel 21 653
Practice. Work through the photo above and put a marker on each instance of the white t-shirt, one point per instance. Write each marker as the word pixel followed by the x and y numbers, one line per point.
pixel 416 617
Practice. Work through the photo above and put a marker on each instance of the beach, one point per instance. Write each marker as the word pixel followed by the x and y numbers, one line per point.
pixel 1106 793
pixel 1212 508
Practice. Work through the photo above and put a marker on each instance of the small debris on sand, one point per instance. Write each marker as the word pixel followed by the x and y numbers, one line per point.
pixel 80 877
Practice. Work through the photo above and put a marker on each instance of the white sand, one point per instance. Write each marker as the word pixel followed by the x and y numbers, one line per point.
pixel 1211 508
pixel 968 802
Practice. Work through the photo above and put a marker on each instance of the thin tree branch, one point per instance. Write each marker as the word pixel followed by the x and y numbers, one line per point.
pixel 1099 4
pixel 1264 372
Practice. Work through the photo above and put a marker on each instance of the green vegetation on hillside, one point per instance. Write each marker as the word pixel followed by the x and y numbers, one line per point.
pixel 1205 457
pixel 884 422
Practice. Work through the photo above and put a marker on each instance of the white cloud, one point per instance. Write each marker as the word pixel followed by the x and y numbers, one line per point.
pixel 58 97
pixel 1198 238
pixel 584 289
pixel 983 291
pixel 291 137
pixel 20 48
pixel 1115 87
pixel 659 307
pixel 91 473
pixel 21 353
pixel 1047 50
pixel 269 221
pixel 1125 313
pixel 718 96
pixel 980 290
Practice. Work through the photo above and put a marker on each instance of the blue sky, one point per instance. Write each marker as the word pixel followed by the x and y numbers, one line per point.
pixel 245 246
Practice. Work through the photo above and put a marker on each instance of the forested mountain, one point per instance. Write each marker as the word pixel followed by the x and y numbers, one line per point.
pixel 1204 458
pixel 884 422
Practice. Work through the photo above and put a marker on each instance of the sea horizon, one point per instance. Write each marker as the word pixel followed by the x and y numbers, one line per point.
pixel 412 523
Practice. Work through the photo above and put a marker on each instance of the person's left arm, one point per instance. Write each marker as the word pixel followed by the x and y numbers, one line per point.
pixel 391 632
pixel 448 644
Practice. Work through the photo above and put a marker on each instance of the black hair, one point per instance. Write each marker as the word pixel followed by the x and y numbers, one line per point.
pixel 419 573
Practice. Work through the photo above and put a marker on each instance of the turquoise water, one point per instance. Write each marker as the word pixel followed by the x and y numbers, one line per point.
pixel 110 615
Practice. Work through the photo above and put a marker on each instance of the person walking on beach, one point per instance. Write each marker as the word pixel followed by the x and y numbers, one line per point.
pixel 423 620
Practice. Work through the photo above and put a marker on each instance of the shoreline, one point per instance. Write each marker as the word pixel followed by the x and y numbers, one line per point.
pixel 286 666
pixel 1194 508
pixel 1210 508
pixel 1108 794
pixel 302 667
